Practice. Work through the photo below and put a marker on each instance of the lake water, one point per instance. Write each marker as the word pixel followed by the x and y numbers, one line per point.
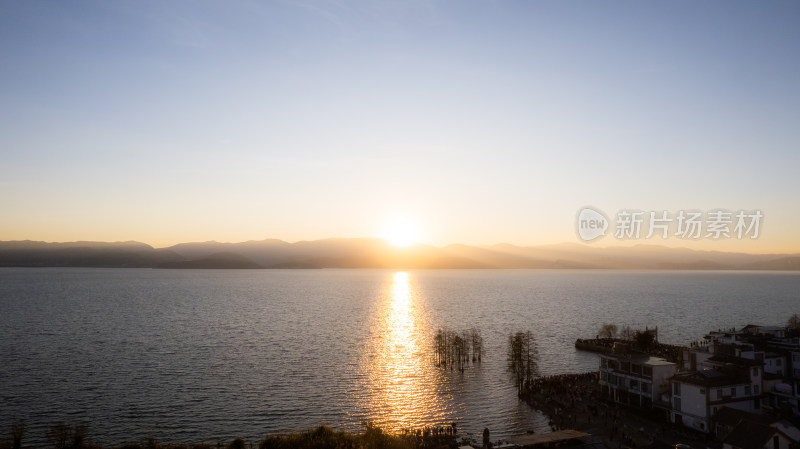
pixel 207 355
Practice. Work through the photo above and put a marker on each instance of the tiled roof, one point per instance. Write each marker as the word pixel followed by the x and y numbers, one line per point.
pixel 729 416
pixel 734 360
pixel 749 434
pixel 709 378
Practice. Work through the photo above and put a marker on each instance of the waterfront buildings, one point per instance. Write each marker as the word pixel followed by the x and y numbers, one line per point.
pixel 698 395
pixel 634 378
pixel 753 371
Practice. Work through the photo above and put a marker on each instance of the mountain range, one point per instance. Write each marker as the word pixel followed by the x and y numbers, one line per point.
pixel 377 253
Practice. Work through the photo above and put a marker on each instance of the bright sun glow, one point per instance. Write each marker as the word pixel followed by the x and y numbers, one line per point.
pixel 401 232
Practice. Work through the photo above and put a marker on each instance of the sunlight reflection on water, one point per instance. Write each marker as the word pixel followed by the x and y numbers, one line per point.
pixel 403 383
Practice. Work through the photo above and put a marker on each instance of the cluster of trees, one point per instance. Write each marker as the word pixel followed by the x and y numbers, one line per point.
pixel 793 326
pixel 609 330
pixel 373 438
pixel 523 359
pixel 59 436
pixel 66 436
pixel 644 339
pixel 454 349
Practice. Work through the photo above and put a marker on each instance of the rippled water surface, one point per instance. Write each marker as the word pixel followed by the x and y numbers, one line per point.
pixel 205 355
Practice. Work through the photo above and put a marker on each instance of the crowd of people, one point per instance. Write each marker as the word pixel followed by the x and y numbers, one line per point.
pixel 565 398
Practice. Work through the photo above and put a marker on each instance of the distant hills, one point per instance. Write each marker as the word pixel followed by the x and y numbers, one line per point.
pixel 376 253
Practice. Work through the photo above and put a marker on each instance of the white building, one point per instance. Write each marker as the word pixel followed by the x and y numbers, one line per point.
pixel 698 395
pixel 750 435
pixel 771 331
pixel 635 379
pixel 773 363
pixel 785 397
pixel 739 430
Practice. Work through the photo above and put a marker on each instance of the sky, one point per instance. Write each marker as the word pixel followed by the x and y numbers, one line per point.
pixel 475 122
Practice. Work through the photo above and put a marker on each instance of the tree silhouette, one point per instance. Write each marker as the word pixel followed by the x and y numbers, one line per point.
pixel 455 350
pixel 523 359
pixel 793 325
pixel 17 431
pixel 626 333
pixel 644 339
pixel 608 330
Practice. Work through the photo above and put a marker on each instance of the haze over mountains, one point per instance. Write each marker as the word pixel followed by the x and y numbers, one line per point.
pixel 377 253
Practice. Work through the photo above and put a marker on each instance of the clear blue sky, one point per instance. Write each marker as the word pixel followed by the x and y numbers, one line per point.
pixel 482 122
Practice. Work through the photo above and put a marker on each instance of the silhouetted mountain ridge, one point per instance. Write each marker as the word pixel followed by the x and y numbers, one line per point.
pixel 377 253
pixel 83 254
pixel 218 261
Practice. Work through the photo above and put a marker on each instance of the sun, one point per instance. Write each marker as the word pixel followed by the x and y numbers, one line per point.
pixel 401 232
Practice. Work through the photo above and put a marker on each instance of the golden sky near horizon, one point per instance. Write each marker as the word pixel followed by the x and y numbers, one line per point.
pixel 440 123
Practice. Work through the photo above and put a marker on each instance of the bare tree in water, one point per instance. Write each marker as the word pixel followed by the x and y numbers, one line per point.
pixel 455 350
pixel 523 359
pixel 477 344
pixel 17 431
pixel 460 351
pixel 447 346
pixel 65 436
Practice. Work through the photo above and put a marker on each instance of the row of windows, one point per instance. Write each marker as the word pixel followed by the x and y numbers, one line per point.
pixel 732 392
pixel 756 406
pixel 721 392
pixel 676 405
pixel 633 384
pixel 627 367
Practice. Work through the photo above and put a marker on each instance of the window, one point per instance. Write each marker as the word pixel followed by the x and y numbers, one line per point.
pixel 603 363
pixel 713 411
pixel 719 393
pixel 733 392
pixel 645 388
pixel 757 404
pixel 756 389
pixel 676 390
pixel 755 371
pixel 647 371
pixel 634 384
pixel 603 375
pixel 626 366
pixel 702 391
pixel 747 390
pixel 636 369
pixel 677 402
